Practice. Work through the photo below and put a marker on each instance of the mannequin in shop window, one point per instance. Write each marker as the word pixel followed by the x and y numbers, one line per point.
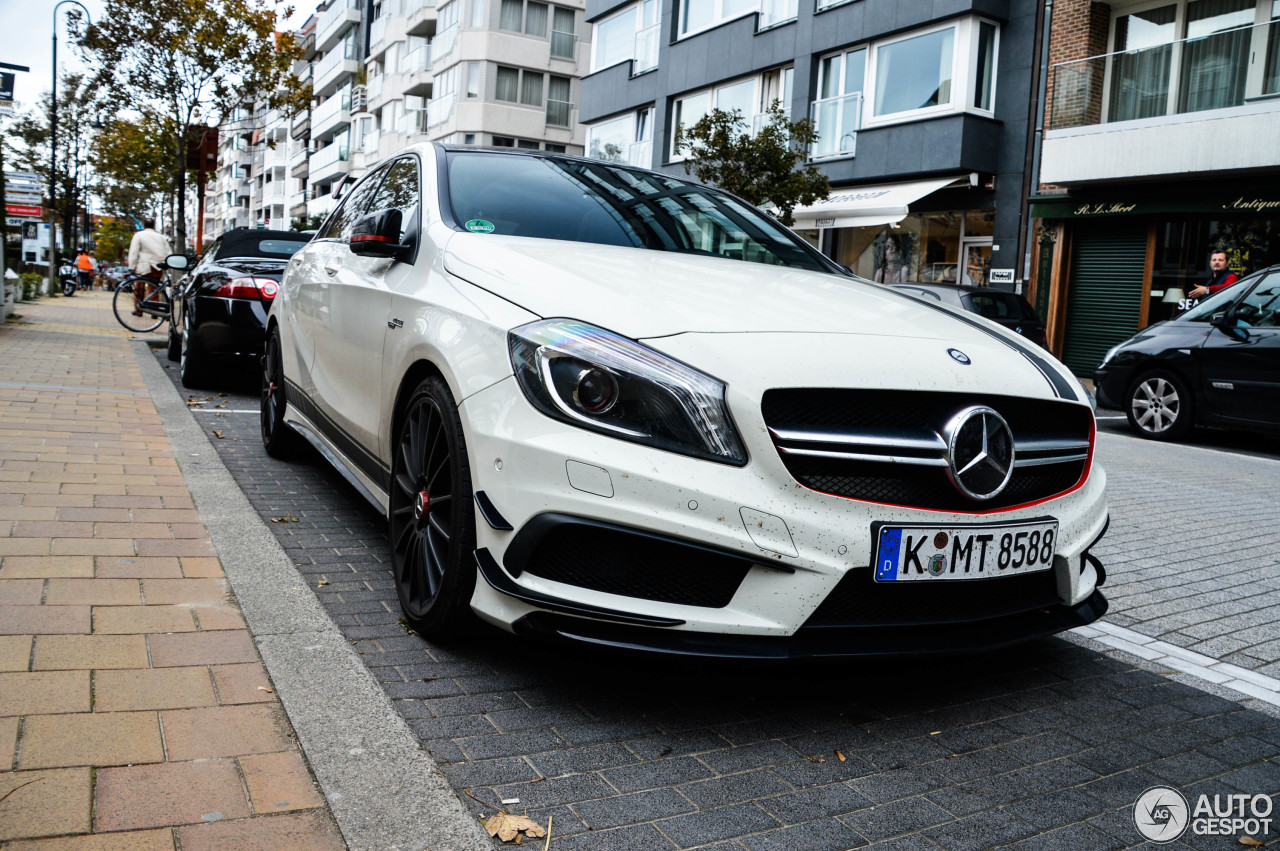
pixel 893 261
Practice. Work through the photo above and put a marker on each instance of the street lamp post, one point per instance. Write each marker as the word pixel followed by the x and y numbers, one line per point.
pixel 53 145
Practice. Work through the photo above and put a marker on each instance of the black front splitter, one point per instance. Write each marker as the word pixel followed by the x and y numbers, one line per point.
pixel 816 643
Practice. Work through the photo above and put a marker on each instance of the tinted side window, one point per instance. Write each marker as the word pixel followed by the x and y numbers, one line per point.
pixel 1261 307
pixel 994 305
pixel 210 252
pixel 355 205
pixel 400 192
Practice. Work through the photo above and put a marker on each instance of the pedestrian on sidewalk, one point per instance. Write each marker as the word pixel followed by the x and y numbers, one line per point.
pixel 147 250
pixel 84 269
pixel 1222 276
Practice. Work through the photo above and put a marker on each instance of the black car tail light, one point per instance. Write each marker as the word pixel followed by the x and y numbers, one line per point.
pixel 264 289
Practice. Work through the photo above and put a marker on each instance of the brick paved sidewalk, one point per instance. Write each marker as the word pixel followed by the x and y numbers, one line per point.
pixel 132 698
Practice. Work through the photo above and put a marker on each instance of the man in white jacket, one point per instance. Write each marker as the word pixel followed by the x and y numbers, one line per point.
pixel 147 251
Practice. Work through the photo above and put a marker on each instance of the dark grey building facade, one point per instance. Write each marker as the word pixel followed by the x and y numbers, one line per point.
pixel 923 107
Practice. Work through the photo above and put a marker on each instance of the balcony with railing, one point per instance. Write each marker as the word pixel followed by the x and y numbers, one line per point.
pixel 334 65
pixel 646 55
pixel 329 162
pixel 836 120
pixel 374 88
pixel 333 113
pixel 334 20
pixel 298 155
pixel 1190 105
pixel 442 45
pixel 774 12
pixel 439 109
pixel 564 45
pixel 378 33
pixel 416 68
pixel 369 142
pixel 420 17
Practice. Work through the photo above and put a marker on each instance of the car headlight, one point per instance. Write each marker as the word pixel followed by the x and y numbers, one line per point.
pixel 598 380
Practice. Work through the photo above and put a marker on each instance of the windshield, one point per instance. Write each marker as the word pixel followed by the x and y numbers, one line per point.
pixel 1220 300
pixel 584 201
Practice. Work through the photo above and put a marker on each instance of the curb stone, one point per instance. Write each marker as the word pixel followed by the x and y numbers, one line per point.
pixel 384 791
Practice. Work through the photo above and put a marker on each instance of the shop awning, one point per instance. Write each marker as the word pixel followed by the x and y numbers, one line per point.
pixel 866 206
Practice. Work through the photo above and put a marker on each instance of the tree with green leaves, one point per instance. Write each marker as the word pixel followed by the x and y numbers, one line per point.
pixel 184 62
pixel 132 171
pixel 112 237
pixel 768 168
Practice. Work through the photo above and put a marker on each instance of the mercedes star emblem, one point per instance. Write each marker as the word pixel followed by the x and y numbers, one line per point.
pixel 959 356
pixel 979 452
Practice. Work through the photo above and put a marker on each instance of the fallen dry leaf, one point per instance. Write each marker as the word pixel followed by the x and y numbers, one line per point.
pixel 816 759
pixel 840 755
pixel 217 433
pixel 322 582
pixel 1251 842
pixel 507 827
pixel 267 690
pixel 935 732
pixel 665 751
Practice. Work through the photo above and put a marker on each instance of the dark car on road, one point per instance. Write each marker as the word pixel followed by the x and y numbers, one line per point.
pixel 220 309
pixel 1000 306
pixel 1216 365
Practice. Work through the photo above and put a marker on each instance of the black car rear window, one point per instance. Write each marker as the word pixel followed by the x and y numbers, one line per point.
pixel 584 201
pixel 279 245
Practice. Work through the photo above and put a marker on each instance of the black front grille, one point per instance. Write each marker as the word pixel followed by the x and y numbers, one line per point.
pixel 893 415
pixel 616 561
pixel 861 601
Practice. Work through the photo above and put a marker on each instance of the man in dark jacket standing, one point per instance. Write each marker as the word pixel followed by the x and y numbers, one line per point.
pixel 1222 276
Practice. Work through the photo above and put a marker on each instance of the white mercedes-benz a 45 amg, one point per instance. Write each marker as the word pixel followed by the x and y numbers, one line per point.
pixel 605 405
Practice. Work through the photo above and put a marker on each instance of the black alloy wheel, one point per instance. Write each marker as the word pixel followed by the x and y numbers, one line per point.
pixel 431 514
pixel 1159 406
pixel 278 437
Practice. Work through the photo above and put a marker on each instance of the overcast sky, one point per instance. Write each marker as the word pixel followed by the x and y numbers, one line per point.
pixel 25 40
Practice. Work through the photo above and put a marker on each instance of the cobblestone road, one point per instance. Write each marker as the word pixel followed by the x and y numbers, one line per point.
pixel 1044 747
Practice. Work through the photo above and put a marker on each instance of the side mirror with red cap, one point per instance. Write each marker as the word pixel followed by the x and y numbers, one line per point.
pixel 378 235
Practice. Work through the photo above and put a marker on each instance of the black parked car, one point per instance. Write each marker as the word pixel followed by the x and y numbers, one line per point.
pixel 220 311
pixel 1001 306
pixel 1218 364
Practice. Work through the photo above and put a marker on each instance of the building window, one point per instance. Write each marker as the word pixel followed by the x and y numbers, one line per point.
pixel 468 138
pixel 555 149
pixel 699 15
pixel 473 79
pixel 503 142
pixel 531 17
pixel 559 105
pixel 738 95
pixel 531 89
pixel 508 84
pixel 526 144
pixel 985 81
pixel 915 73
pixel 563 40
pixel 477 15
pixel 627 139
pixel 630 34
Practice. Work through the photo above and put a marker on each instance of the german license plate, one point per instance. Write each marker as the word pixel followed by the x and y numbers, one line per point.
pixel 912 553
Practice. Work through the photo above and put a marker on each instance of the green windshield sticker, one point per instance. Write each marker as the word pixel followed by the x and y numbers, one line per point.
pixel 479 226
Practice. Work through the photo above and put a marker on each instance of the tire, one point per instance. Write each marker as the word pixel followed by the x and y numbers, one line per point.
pixel 192 366
pixel 174 351
pixel 278 438
pixel 68 288
pixel 122 306
pixel 432 516
pixel 1159 406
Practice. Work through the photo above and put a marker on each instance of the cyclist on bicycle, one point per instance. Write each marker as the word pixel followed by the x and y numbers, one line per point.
pixel 147 251
pixel 84 269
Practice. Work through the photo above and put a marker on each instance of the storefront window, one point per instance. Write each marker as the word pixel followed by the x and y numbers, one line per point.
pixel 1183 244
pixel 922 247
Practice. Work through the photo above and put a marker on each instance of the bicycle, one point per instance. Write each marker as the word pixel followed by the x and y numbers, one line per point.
pixel 156 307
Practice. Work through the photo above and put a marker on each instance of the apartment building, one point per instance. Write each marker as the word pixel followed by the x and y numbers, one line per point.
pixel 1160 144
pixel 388 73
pixel 922 111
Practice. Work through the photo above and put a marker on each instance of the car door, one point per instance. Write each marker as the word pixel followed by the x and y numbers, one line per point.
pixel 348 318
pixel 1241 363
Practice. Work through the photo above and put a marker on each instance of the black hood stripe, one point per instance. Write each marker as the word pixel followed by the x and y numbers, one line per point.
pixel 1061 387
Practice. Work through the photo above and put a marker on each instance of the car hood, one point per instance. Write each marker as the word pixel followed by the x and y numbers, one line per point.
pixel 720 315
pixel 642 293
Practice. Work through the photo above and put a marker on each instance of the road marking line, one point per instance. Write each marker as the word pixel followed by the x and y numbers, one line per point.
pixel 1242 680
